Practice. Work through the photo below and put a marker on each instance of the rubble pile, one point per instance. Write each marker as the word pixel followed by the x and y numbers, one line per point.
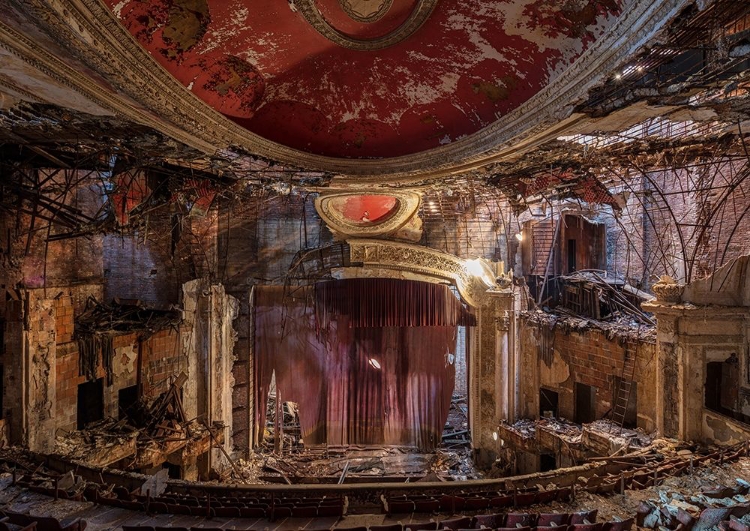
pixel 144 438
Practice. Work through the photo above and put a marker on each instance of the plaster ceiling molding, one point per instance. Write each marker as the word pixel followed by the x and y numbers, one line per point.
pixel 366 11
pixel 472 278
pixel 143 91
pixel 370 214
pixel 416 20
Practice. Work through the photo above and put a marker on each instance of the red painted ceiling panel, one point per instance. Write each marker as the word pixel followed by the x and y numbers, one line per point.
pixel 365 208
pixel 261 64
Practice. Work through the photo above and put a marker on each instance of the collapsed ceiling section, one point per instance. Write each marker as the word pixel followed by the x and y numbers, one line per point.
pixel 678 97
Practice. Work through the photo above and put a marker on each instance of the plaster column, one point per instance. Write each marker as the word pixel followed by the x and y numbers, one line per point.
pixel 494 372
pixel 31 371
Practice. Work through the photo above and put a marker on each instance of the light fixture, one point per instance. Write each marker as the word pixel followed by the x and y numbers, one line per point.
pixel 519 236
pixel 480 269
pixel 494 435
pixel 375 363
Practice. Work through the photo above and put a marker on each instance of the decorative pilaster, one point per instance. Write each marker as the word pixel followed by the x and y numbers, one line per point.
pixel 494 371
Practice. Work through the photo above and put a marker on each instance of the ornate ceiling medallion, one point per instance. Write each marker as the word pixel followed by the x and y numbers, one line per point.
pixel 371 214
pixel 366 11
pixel 419 16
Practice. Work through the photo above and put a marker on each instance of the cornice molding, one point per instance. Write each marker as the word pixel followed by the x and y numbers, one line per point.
pixel 417 18
pixel 151 96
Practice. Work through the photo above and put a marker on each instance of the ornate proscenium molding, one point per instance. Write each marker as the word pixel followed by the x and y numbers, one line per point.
pixel 347 214
pixel 472 278
pixel 419 16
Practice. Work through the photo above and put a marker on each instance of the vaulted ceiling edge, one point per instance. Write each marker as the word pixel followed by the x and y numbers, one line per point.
pixel 148 94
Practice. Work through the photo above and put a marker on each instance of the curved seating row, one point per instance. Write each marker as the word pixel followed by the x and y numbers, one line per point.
pixel 25 522
pixel 583 521
pixel 229 507
pixel 474 502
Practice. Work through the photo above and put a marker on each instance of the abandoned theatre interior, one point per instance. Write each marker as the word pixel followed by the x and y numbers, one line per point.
pixel 375 264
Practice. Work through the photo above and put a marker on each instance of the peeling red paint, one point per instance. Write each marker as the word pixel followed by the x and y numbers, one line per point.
pixel 233 85
pixel 365 208
pixel 471 63
pixel 131 189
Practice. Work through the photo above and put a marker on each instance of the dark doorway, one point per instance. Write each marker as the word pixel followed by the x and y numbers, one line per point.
pixel 90 402
pixel 585 403
pixel 629 393
pixel 571 256
pixel 174 471
pixel 548 402
pixel 127 398
pixel 722 387
pixel 547 462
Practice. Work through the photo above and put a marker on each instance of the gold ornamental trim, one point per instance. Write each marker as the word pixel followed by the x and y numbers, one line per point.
pixel 147 94
pixel 379 13
pixel 408 204
pixel 436 264
pixel 314 17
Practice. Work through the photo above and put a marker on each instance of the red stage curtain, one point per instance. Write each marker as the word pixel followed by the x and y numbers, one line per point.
pixel 378 302
pixel 343 397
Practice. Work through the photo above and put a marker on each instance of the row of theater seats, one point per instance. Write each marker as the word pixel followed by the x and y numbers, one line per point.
pixel 649 475
pixel 585 521
pixel 226 506
pixel 23 522
pixel 473 501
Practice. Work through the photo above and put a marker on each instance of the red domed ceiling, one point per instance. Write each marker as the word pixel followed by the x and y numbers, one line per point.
pixel 263 65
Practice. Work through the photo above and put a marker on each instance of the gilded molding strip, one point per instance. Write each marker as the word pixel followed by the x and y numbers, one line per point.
pixel 423 261
pixel 346 5
pixel 89 30
pixel 418 17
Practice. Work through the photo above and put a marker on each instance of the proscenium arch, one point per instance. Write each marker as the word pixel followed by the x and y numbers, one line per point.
pixel 429 263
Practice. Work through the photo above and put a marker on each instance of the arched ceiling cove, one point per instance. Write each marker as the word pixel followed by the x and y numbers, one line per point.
pixel 457 69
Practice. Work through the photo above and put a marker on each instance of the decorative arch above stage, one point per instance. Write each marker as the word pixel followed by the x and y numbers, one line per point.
pixel 472 278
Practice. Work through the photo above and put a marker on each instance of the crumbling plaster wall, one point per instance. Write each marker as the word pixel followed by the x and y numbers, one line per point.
pixel 588 357
pixel 207 344
pixel 711 323
pixel 30 378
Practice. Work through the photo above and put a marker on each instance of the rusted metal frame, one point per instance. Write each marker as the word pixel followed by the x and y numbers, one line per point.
pixel 636 194
pixel 747 208
pixel 744 174
pixel 31 223
pixel 553 245
pixel 672 215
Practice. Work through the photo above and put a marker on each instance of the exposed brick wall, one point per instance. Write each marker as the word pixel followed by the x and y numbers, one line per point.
pixel 64 319
pixel 587 357
pixel 161 361
pixel 68 381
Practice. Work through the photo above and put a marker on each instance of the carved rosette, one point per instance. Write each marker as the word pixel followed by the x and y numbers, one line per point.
pixel 366 11
pixel 418 17
pixel 668 292
pixel 422 260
